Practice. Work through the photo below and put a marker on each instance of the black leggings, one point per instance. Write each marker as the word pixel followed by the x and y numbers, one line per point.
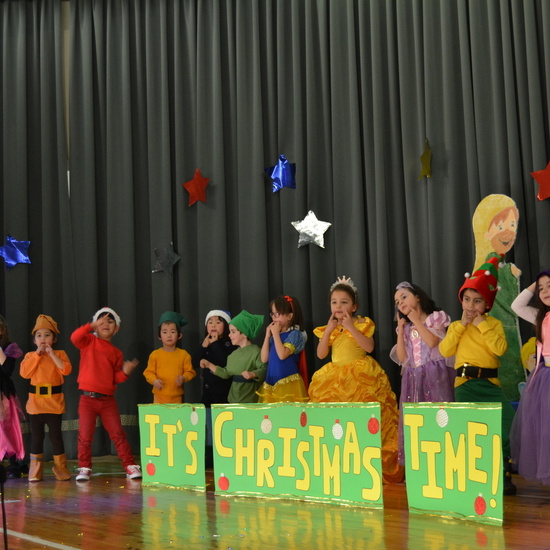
pixel 38 428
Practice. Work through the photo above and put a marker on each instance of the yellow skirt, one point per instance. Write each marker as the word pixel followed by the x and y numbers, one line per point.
pixel 363 380
pixel 288 390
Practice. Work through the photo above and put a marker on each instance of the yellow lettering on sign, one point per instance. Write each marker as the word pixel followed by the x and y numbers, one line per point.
pixel 375 492
pixel 497 467
pixel 317 433
pixel 243 451
pixel 431 448
pixel 414 422
pixel 221 419
pixel 169 430
pixel 287 435
pixel 455 461
pixel 331 470
pixel 351 449
pixel 193 466
pixel 266 459
pixel 152 420
pixel 475 451
pixel 304 483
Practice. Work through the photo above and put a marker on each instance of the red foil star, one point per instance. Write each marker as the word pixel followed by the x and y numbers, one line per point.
pixel 542 177
pixel 196 188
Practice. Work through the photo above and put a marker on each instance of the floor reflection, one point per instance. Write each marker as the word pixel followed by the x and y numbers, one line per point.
pixel 210 521
pixel 112 512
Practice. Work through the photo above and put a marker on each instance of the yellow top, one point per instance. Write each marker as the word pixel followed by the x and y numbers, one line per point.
pixel 344 348
pixel 479 346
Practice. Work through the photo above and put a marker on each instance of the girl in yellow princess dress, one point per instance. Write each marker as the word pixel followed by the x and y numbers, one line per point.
pixel 353 375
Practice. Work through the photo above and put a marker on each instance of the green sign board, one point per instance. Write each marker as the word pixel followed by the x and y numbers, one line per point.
pixel 321 452
pixel 453 454
pixel 172 445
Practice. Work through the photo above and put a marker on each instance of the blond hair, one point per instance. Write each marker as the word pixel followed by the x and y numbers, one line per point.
pixel 492 209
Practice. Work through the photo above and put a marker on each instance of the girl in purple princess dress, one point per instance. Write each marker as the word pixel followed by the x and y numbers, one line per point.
pixel 421 325
pixel 530 432
pixel 11 438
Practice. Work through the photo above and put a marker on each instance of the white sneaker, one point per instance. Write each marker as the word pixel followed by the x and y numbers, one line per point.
pixel 83 474
pixel 133 471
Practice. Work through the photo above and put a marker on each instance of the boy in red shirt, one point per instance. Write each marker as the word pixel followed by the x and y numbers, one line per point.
pixel 102 367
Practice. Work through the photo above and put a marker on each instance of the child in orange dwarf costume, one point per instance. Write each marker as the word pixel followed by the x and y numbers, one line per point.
pixel 46 369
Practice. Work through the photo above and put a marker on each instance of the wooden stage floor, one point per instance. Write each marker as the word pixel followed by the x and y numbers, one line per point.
pixel 112 512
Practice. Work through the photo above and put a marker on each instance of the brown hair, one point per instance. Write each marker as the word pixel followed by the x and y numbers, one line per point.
pixel 286 305
pixel 348 290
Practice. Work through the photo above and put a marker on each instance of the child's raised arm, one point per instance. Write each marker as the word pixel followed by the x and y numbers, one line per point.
pixel 323 347
pixel 282 351
pixel 265 345
pixel 427 335
pixel 401 349
pixel 364 342
pixel 520 306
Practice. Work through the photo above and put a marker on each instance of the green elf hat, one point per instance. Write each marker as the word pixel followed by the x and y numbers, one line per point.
pixel 173 317
pixel 484 280
pixel 248 324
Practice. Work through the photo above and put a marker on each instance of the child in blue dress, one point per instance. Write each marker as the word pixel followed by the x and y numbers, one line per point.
pixel 282 351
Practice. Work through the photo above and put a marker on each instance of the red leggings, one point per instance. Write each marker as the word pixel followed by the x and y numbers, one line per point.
pixel 89 408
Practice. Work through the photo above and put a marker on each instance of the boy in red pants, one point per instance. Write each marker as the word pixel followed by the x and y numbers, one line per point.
pixel 102 367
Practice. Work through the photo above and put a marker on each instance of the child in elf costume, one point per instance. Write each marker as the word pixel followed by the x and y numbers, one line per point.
pixel 477 341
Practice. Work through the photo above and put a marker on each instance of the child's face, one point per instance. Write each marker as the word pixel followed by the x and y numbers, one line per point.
pixel 236 336
pixel 473 302
pixel 44 336
pixel 169 334
pixel 502 235
pixel 215 327
pixel 405 301
pixel 106 327
pixel 341 303
pixel 543 288
pixel 284 319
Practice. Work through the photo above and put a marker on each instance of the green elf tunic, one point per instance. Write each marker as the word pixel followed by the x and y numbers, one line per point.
pixel 243 359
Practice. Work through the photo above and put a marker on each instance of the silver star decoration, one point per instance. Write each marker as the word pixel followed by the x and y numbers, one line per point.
pixel 311 230
pixel 166 260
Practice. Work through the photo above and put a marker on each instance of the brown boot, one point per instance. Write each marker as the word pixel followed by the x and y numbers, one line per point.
pixel 36 467
pixel 60 468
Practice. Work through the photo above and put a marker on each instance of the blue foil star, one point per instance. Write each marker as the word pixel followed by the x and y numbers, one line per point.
pixel 15 252
pixel 283 174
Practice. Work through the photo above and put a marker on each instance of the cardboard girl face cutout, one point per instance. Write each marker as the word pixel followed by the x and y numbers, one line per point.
pixel 495 225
